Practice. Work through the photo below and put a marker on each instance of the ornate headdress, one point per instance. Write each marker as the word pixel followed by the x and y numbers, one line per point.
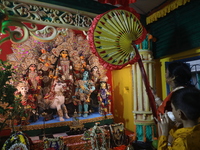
pixel 29 60
pixel 22 84
pixel 104 79
pixel 93 61
pixel 56 51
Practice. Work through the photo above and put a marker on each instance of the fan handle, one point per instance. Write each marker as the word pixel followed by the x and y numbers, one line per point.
pixel 146 83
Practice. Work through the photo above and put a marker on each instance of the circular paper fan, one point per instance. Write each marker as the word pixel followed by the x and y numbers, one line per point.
pixel 111 36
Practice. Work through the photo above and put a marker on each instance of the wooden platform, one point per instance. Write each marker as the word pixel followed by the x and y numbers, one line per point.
pixel 56 126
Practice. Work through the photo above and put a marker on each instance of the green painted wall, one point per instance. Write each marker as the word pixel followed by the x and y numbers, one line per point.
pixel 178 31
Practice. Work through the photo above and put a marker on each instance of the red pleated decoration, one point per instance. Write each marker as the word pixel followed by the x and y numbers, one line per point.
pixel 116 2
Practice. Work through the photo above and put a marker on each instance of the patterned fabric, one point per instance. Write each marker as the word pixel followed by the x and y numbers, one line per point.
pixel 166 104
pixel 183 139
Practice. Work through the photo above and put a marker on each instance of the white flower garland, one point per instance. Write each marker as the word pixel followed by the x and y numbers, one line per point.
pixel 54 141
pixel 94 138
pixel 18 146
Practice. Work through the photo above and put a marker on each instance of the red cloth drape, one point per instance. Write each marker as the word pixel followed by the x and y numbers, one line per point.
pixel 115 2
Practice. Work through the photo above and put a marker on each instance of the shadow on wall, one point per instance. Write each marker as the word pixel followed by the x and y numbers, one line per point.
pixel 118 105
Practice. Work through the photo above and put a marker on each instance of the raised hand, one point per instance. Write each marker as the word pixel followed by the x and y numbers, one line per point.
pixel 164 124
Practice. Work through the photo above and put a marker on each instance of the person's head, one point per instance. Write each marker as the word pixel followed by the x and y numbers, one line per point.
pixel 185 104
pixel 95 69
pixel 32 67
pixel 64 54
pixel 179 73
pixel 103 85
pixel 86 74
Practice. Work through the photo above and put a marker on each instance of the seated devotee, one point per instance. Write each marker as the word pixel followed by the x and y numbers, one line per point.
pixel 185 104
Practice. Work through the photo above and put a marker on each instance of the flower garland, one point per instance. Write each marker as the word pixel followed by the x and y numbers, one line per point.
pixel 96 134
pixel 56 143
pixel 18 146
pixel 17 139
pixel 117 134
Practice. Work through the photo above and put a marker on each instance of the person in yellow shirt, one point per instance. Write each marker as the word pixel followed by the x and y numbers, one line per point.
pixel 185 104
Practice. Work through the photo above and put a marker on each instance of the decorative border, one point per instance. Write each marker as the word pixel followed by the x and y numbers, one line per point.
pixel 59 124
pixel 24 32
pixel 38 13
pixel 164 11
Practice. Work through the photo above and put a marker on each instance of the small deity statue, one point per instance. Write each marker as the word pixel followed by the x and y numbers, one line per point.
pixel 83 90
pixel 104 99
pixel 64 71
pixel 95 77
pixel 28 101
pixel 64 66
pixel 32 74
pixel 95 74
pixel 35 81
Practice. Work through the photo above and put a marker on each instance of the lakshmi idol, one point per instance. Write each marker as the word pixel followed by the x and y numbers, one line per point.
pixel 104 99
pixel 34 80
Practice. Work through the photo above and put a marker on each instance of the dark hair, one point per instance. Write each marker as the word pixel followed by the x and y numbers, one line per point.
pixel 92 69
pixel 188 100
pixel 89 74
pixel 28 69
pixel 103 82
pixel 182 73
pixel 59 56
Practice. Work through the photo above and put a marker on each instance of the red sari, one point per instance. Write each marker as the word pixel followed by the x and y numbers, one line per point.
pixel 166 104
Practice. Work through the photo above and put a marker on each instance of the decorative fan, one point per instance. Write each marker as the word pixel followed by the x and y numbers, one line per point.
pixel 112 37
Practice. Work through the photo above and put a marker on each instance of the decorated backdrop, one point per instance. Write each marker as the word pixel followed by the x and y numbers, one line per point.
pixel 65 59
